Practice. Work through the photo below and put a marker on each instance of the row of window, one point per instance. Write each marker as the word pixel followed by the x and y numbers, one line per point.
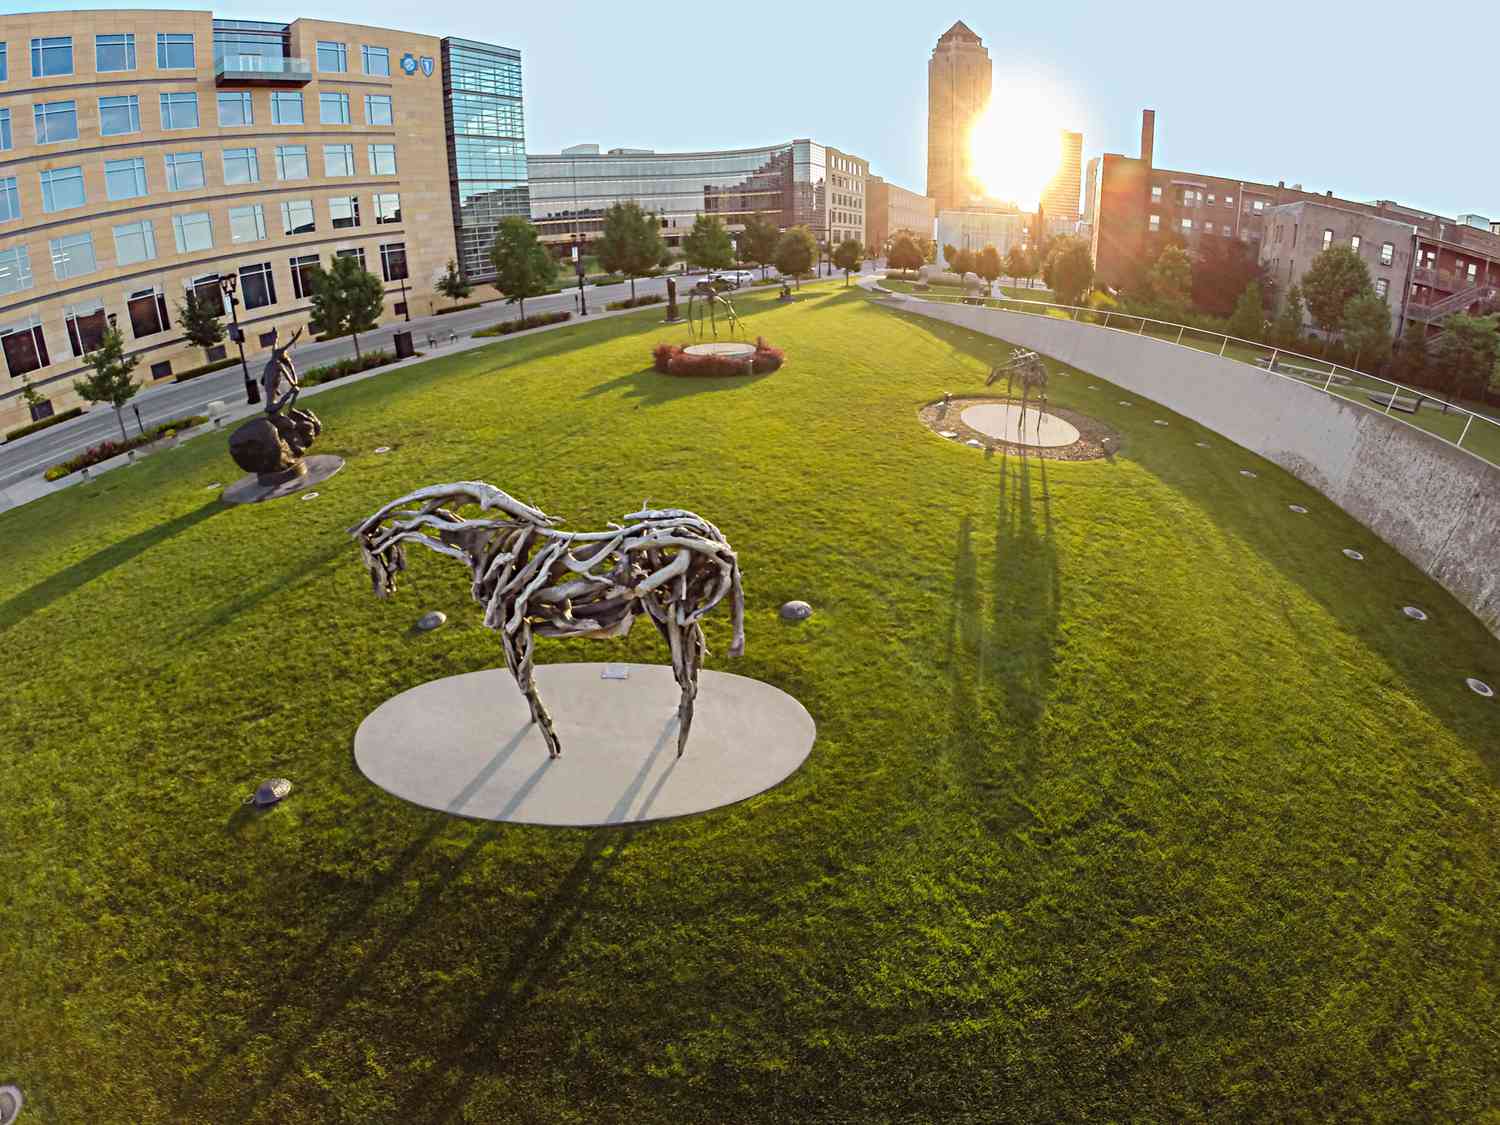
pixel 73 255
pixel 119 115
pixel 52 56
pixel 25 344
pixel 63 188
pixel 1226 230
pixel 1194 197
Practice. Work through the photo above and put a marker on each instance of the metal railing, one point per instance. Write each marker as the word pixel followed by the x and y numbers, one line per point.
pixel 1470 431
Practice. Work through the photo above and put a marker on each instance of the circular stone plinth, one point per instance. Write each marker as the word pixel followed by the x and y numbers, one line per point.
pixel 1003 421
pixel 249 490
pixel 732 348
pixel 466 745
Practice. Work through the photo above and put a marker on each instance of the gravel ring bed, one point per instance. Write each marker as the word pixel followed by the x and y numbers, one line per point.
pixel 1095 440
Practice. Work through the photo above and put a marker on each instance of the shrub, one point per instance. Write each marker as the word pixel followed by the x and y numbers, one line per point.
pixel 637 302
pixel 43 423
pixel 506 327
pixel 350 365
pixel 194 372
pixel 608 279
pixel 107 449
pixel 767 359
pixel 457 308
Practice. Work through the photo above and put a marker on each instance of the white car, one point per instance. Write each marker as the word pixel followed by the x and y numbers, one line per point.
pixel 734 278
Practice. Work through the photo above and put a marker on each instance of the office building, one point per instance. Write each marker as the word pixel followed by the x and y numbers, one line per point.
pixel 890 208
pixel 958 92
pixel 168 152
pixel 1060 199
pixel 977 226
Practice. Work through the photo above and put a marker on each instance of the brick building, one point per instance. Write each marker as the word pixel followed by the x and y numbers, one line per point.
pixel 890 208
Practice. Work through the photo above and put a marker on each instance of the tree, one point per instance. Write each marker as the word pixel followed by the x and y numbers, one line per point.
pixel 346 300
pixel 1336 275
pixel 847 256
pixel 1222 270
pixel 987 265
pixel 1249 319
pixel 795 252
pixel 1018 264
pixel 707 245
pixel 199 323
pixel 1171 280
pixel 905 253
pixel 1069 271
pixel 453 284
pixel 30 395
pixel 631 243
pixel 758 242
pixel 1287 331
pixel 1367 329
pixel 962 263
pixel 1412 359
pixel 523 267
pixel 111 380
pixel 950 254
pixel 1467 349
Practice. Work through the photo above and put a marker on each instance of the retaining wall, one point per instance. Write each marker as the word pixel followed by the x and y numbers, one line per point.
pixel 1436 504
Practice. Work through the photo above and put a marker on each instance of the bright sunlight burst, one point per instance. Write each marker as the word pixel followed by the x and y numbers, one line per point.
pixel 1016 145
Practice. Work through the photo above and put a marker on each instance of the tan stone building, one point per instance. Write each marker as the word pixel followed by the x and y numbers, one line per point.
pixel 163 152
pixel 890 208
pixel 958 91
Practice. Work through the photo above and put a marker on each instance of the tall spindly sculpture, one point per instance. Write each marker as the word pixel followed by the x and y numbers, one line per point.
pixel 536 581
pixel 1028 367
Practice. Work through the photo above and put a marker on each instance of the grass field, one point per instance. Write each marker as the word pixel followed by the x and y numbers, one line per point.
pixel 1132 798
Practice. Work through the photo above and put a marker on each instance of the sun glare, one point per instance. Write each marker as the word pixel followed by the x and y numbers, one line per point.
pixel 1016 145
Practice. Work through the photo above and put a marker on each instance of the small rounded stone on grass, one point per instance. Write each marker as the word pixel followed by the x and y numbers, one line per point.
pixel 1124 403
pixel 1414 613
pixel 975 442
pixel 948 433
pixel 309 496
pixel 796 611
pixel 1158 422
pixel 382 449
pixel 214 485
pixel 1479 687
pixel 271 790
pixel 1248 473
pixel 11 1102
pixel 431 620
pixel 1201 444
pixel 1351 553
pixel 1298 508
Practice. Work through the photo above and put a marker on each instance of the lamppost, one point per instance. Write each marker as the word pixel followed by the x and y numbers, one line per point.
pixel 583 300
pixel 227 285
pixel 405 305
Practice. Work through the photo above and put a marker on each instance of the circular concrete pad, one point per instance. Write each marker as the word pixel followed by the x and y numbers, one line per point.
pixel 1000 420
pixel 249 490
pixel 724 348
pixel 466 745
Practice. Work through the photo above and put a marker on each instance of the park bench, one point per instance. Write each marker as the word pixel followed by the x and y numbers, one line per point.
pixel 1396 402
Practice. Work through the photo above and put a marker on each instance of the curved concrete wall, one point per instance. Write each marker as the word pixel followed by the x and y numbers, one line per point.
pixel 1436 504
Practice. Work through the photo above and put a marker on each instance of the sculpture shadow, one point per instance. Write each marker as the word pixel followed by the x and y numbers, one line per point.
pixel 653 388
pixel 65 581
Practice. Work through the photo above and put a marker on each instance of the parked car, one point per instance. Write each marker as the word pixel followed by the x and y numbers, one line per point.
pixel 731 279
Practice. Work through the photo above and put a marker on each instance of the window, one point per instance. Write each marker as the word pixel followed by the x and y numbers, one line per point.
pixel 241 166
pixel 1208 228
pixel 148 312
pixel 333 109
pixel 179 111
pixel 377 60
pixel 1387 253
pixel 25 346
pixel 1187 226
pixel 1156 193
pixel 344 210
pixel 15 270
pixel 1210 199
pixel 333 56
pixel 134 242
pixel 1258 206
pixel 206 292
pixel 125 179
pixel 55 121
pixel 86 326
pixel 291 162
pixel 73 256
pixel 338 160
pixel 297 217
pixel 378 109
pixel 247 224
pixel 184 171
pixel 62 188
pixel 303 270
pixel 1354 243
pixel 10 199
pixel 1229 201
pixel 114 52
pixel 355 252
pixel 1429 259
pixel 119 115
pixel 382 160
pixel 50 57
pixel 1472 270
pixel 1382 287
pixel 4 62
pixel 236 109
pixel 286 107
pixel 174 52
pixel 387 207
pixel 393 260
pixel 193 232
pixel 4 129
pixel 257 286
pixel 1156 222
pixel 1327 238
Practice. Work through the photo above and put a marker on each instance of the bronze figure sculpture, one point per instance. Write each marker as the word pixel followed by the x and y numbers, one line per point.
pixel 706 302
pixel 1028 367
pixel 536 581
pixel 273 446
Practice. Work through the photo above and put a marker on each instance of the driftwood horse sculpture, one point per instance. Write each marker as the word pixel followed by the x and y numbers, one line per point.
pixel 1028 367
pixel 536 581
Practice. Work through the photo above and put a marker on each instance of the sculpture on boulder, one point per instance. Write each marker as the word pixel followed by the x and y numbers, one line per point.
pixel 273 445
pixel 536 581
pixel 1028 367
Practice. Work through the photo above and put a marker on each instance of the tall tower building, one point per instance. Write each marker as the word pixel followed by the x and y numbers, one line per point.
pixel 958 90
pixel 1060 200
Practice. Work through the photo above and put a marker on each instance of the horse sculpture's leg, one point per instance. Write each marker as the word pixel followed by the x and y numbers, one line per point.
pixel 690 645
pixel 522 669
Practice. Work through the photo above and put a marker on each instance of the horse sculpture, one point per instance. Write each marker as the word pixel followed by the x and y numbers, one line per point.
pixel 707 301
pixel 1028 367
pixel 535 581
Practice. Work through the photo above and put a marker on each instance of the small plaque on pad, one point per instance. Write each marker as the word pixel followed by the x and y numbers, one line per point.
pixel 615 672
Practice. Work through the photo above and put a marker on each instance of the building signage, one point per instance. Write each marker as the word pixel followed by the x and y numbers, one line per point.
pixel 426 67
pixel 408 64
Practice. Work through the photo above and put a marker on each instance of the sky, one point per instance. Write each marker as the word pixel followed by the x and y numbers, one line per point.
pixel 1371 102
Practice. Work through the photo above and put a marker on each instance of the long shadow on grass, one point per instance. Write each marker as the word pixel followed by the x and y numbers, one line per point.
pixel 653 388
pixel 64 582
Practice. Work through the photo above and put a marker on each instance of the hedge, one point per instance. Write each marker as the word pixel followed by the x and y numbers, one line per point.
pixel 608 279
pixel 43 423
pixel 457 308
pixel 107 449
pixel 343 368
pixel 637 302
pixel 671 359
pixel 506 327
pixel 194 372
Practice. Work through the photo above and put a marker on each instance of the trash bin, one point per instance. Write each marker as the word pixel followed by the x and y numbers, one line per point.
pixel 404 348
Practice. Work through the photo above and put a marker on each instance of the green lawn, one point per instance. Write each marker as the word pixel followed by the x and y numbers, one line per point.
pixel 1133 799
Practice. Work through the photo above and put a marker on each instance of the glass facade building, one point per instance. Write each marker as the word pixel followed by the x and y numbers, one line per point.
pixel 486 146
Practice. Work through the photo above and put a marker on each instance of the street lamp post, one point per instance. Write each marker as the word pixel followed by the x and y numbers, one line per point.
pixel 405 305
pixel 583 300
pixel 227 285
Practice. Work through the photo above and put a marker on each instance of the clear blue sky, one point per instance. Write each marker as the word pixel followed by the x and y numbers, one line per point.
pixel 1355 98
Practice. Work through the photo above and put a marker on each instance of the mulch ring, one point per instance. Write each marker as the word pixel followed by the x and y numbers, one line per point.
pixel 1095 439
